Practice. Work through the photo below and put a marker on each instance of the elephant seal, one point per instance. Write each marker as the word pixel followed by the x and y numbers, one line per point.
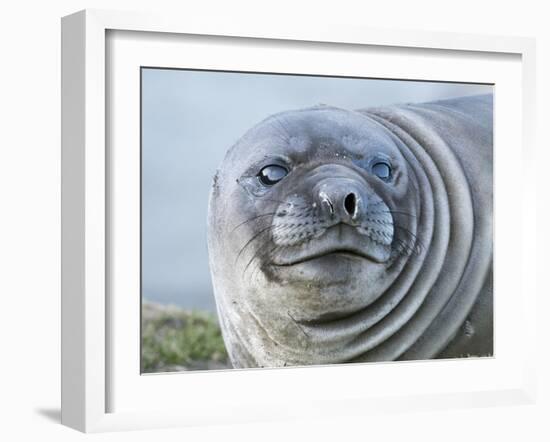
pixel 348 236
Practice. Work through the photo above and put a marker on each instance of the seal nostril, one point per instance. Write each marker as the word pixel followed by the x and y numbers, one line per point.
pixel 330 206
pixel 350 203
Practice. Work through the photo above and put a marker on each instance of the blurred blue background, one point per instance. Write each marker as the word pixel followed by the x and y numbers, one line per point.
pixel 189 120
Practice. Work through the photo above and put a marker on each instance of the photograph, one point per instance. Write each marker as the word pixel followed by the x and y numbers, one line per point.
pixel 304 220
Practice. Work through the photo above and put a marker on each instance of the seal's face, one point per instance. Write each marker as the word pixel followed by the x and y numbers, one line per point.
pixel 315 198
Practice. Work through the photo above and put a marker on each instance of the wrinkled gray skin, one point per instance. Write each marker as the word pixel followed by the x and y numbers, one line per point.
pixel 402 270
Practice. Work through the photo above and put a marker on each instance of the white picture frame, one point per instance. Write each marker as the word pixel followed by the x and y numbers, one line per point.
pixel 88 319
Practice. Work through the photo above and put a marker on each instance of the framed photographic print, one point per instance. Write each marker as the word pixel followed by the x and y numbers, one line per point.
pixel 282 223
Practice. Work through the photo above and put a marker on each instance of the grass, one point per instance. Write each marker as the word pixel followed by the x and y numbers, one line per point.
pixel 174 339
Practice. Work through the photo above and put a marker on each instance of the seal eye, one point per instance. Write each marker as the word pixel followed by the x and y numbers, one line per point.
pixel 272 174
pixel 382 170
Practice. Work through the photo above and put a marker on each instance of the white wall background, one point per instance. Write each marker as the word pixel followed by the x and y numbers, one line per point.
pixel 30 220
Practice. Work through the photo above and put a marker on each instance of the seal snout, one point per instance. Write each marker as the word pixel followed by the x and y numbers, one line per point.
pixel 339 215
pixel 342 199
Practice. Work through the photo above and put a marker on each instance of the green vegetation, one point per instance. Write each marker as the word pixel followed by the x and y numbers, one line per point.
pixel 174 339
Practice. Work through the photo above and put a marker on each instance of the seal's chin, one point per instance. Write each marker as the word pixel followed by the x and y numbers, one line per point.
pixel 340 242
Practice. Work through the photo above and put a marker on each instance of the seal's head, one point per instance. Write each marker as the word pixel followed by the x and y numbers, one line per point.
pixel 309 217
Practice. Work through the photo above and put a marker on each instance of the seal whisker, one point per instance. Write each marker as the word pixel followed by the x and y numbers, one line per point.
pixel 403 248
pixel 282 137
pixel 252 219
pixel 283 128
pixel 250 241
pixel 255 256
pixel 298 325
pixel 251 259
pixel 415 237
pixel 394 211
pixel 273 230
pixel 409 245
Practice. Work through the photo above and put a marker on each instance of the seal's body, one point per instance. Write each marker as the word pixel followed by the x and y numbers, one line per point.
pixel 344 236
